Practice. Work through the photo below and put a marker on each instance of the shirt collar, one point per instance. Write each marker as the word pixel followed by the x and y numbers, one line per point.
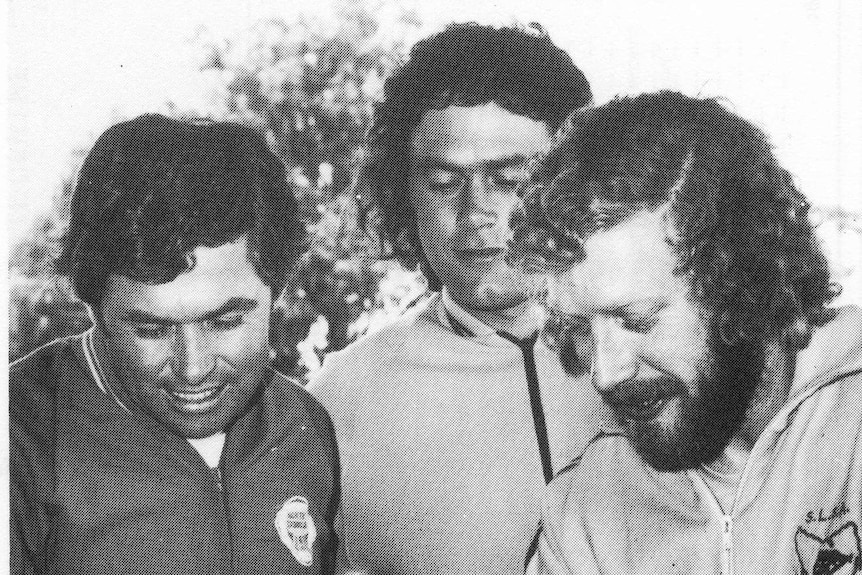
pixel 96 368
pixel 460 320
pixel 466 324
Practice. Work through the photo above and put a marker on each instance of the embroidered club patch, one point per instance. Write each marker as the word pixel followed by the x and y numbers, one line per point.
pixel 296 529
pixel 836 554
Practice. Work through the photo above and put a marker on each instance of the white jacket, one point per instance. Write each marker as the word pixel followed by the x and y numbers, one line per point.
pixel 797 507
pixel 441 471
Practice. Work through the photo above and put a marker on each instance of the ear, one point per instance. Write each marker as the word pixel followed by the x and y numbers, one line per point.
pixel 797 334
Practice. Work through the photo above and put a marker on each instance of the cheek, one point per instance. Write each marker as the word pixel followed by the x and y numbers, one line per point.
pixel 139 356
pixel 435 224
pixel 679 350
pixel 506 206
pixel 247 347
pixel 563 295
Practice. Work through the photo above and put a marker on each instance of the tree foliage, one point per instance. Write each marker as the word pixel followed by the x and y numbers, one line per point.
pixel 309 85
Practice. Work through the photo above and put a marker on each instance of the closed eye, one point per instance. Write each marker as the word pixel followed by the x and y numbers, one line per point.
pixel 636 324
pixel 511 176
pixel 152 330
pixel 440 180
pixel 227 322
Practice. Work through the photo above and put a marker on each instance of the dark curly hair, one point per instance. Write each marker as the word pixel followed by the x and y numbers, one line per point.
pixel 467 65
pixel 153 189
pixel 736 220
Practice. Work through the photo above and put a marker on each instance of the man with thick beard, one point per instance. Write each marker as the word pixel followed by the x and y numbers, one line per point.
pixel 681 260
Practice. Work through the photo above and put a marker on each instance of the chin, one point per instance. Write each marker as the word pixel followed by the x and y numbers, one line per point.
pixel 666 453
pixel 497 294
pixel 703 421
pixel 196 429
pixel 492 300
pixel 684 444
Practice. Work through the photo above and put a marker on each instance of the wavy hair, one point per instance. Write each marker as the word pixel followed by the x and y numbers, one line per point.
pixel 467 65
pixel 153 189
pixel 736 220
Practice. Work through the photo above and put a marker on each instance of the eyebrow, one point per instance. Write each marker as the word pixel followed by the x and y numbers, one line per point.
pixel 234 304
pixel 494 164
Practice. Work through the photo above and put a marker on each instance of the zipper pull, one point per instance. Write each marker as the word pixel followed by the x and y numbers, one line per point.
pixel 217 474
pixel 727 544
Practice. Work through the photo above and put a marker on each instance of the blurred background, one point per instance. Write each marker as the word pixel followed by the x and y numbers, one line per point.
pixel 307 74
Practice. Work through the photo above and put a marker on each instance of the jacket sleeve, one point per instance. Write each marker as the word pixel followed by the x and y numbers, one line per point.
pixel 548 559
pixel 19 560
pixel 343 564
pixel 562 547
pixel 32 423
pixel 28 528
pixel 333 554
pixel 323 424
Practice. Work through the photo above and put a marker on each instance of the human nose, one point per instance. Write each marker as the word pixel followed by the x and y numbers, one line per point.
pixel 614 357
pixel 477 204
pixel 192 358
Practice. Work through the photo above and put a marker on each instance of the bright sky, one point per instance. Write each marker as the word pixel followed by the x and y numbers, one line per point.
pixel 791 66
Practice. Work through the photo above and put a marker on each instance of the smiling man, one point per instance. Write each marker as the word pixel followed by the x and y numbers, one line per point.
pixel 451 420
pixel 161 441
pixel 680 255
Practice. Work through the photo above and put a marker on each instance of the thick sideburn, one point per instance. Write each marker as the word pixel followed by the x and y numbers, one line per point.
pixel 739 369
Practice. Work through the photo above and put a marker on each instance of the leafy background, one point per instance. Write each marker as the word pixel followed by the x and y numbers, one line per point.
pixel 309 86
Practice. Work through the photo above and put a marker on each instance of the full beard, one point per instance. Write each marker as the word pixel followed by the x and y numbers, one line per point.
pixel 709 415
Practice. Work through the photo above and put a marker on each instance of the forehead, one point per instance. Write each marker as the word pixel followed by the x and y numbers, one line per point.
pixel 462 135
pixel 626 263
pixel 218 274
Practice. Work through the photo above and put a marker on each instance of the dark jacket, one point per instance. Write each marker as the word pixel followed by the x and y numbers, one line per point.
pixel 96 489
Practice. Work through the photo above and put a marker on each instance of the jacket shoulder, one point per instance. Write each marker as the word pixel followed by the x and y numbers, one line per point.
pixel 33 380
pixel 294 397
pixel 362 362
pixel 596 475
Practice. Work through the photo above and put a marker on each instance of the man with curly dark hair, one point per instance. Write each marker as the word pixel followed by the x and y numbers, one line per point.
pixel 451 420
pixel 683 265
pixel 160 441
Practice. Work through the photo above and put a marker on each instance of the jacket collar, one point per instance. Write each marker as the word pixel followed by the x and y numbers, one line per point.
pixel 835 350
pixel 273 412
pixel 453 316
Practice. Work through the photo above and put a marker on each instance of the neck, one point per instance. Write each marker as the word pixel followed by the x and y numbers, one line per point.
pixel 515 320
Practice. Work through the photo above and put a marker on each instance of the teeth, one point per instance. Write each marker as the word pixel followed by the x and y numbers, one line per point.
pixel 196 396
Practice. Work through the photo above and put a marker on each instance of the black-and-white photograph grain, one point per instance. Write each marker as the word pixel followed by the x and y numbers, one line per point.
pixel 402 287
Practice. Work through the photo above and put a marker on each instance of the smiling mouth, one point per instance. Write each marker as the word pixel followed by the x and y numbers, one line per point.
pixel 479 254
pixel 645 410
pixel 197 401
pixel 642 405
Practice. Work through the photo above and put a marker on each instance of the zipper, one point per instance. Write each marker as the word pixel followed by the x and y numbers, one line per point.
pixel 726 522
pixel 527 347
pixel 727 544
pixel 219 481
pixel 727 519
